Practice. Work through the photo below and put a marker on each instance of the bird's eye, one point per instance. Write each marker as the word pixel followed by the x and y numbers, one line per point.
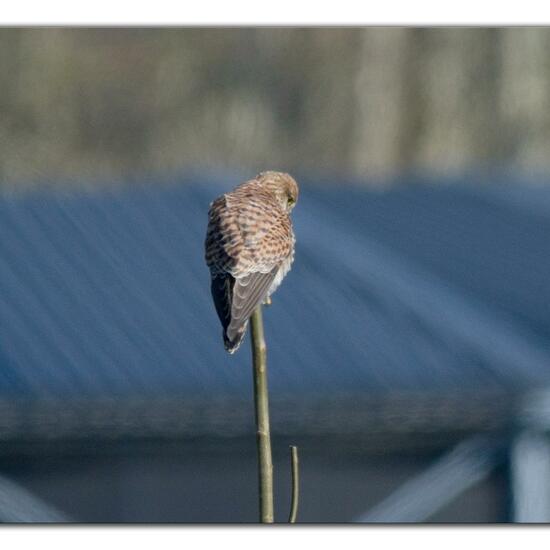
pixel 291 201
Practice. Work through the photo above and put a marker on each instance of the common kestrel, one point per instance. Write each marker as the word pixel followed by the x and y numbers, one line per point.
pixel 249 248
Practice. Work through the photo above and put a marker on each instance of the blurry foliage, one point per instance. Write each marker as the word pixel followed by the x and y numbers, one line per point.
pixel 104 104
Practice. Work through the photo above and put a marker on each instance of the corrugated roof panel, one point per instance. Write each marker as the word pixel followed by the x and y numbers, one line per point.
pixel 424 289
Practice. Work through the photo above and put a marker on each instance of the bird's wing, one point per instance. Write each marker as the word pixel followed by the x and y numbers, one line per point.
pixel 247 293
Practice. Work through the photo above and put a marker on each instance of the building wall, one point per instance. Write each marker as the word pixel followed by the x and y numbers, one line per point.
pixel 215 481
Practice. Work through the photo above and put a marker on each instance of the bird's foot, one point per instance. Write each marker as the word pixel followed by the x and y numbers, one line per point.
pixel 267 301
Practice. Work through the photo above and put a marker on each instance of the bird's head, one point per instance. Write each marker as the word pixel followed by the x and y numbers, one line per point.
pixel 283 186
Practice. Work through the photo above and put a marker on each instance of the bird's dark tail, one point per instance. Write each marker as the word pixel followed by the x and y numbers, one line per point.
pixel 233 337
pixel 233 330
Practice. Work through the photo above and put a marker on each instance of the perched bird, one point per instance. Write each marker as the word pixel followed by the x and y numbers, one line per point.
pixel 249 248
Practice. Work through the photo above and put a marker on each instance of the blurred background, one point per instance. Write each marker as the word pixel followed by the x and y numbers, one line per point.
pixel 103 104
pixel 409 348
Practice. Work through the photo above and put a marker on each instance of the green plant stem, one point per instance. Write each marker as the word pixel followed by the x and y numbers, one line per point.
pixel 261 403
pixel 295 484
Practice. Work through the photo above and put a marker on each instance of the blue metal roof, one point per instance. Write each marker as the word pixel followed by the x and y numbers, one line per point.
pixel 419 288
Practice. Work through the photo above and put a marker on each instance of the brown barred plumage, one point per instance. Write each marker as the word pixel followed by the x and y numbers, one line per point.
pixel 249 248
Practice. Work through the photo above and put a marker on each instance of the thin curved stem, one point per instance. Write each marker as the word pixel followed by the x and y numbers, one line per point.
pixel 295 484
